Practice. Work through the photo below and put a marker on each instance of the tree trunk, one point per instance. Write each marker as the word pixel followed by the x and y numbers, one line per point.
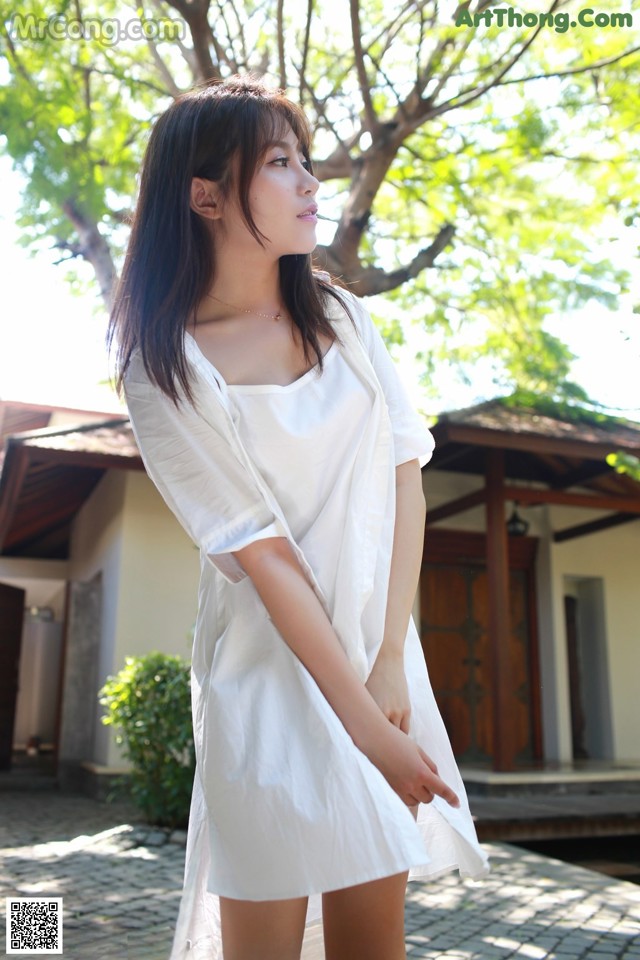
pixel 94 248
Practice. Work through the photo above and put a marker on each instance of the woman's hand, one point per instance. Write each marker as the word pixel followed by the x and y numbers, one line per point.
pixel 408 770
pixel 303 624
pixel 387 684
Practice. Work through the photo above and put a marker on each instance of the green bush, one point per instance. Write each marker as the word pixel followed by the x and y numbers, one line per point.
pixel 149 701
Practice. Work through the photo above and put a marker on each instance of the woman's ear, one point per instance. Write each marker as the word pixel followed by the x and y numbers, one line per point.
pixel 206 198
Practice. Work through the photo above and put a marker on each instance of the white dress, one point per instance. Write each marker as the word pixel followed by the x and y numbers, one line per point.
pixel 284 804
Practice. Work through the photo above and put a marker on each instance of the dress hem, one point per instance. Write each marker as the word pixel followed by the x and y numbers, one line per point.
pixel 423 872
pixel 424 877
pixel 367 877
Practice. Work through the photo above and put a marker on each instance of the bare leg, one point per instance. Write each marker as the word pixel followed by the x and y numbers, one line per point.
pixel 366 922
pixel 265 930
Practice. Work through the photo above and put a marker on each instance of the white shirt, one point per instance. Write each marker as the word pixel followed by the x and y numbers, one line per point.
pixel 284 804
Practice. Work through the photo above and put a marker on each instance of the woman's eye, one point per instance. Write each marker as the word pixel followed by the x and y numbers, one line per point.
pixel 285 161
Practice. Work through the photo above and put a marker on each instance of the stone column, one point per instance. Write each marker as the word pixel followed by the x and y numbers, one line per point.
pixel 80 679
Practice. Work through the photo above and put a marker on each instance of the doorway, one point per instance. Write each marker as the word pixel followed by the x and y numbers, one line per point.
pixel 588 668
pixel 12 600
pixel 454 606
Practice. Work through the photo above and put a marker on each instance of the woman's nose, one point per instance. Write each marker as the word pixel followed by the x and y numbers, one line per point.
pixel 311 184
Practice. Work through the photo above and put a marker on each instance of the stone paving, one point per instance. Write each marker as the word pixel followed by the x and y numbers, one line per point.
pixel 121 886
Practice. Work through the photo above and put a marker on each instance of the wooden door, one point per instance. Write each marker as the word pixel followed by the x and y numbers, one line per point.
pixel 454 607
pixel 11 616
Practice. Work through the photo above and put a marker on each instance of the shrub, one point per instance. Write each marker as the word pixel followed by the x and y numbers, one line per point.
pixel 149 700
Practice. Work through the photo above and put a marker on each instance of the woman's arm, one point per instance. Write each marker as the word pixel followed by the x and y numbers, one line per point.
pixel 387 682
pixel 297 613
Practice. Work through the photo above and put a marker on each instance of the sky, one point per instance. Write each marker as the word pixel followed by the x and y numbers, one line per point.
pixel 52 347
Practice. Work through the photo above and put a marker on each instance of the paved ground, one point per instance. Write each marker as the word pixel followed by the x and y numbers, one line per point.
pixel 121 892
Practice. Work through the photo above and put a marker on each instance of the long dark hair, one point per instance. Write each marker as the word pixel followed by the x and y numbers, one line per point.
pixel 170 260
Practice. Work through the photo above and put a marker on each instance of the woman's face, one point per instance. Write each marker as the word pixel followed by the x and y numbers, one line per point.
pixel 281 200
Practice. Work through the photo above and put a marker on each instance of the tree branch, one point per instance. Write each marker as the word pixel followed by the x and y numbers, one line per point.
pixel 386 79
pixel 73 250
pixel 401 19
pixel 195 13
pixel 474 93
pixel 356 213
pixel 141 83
pixel 498 82
pixel 93 247
pixel 122 216
pixel 20 67
pixel 282 66
pixel 305 52
pixel 446 74
pixel 414 101
pixel 339 163
pixel 161 66
pixel 572 71
pixel 419 46
pixel 363 80
pixel 367 281
pixel 222 55
pixel 338 166
pixel 581 158
pixel 435 59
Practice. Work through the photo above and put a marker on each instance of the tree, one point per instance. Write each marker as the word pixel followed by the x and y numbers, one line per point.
pixel 472 169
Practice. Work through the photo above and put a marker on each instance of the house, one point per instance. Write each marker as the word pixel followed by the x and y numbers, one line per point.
pixel 530 586
pixel 86 539
pixel 529 621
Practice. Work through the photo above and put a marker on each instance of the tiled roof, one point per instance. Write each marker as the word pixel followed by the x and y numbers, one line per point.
pixel 590 428
pixel 47 474
pixel 113 438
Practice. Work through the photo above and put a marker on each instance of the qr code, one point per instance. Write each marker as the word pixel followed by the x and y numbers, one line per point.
pixel 34 925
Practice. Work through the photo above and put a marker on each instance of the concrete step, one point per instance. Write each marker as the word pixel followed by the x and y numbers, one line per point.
pixel 538 817
pixel 550 781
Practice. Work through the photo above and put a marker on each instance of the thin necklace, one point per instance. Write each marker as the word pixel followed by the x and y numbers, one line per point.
pixel 256 313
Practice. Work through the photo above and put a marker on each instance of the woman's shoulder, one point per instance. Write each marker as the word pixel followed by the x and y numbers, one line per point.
pixel 138 380
pixel 342 303
pixel 348 313
pixel 135 371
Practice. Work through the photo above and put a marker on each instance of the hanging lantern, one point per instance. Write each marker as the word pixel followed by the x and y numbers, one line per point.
pixel 516 526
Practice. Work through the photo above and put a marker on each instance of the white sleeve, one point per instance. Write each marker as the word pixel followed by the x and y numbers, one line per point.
pixel 412 439
pixel 190 460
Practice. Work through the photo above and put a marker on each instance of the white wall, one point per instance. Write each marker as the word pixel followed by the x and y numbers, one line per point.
pixel 45 584
pixel 43 580
pixel 552 659
pixel 614 557
pixel 160 570
pixel 62 419
pixel 149 572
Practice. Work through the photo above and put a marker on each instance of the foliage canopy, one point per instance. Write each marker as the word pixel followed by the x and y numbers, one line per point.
pixel 474 173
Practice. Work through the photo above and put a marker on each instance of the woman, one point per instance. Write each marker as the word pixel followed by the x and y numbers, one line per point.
pixel 271 419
